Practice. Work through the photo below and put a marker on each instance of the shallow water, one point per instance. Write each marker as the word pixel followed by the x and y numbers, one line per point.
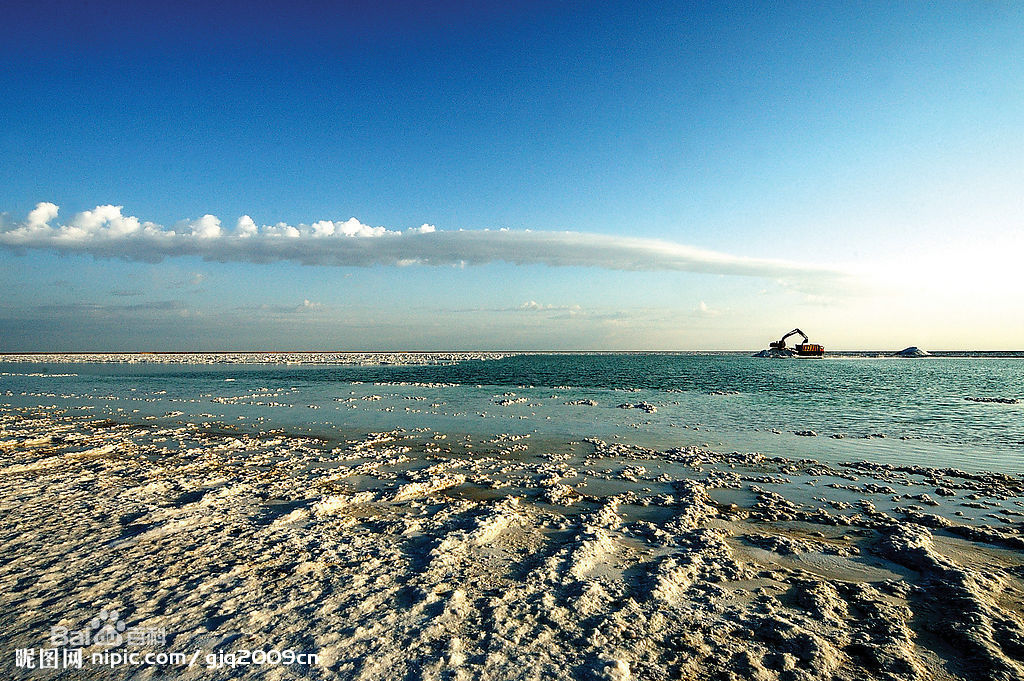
pixel 728 402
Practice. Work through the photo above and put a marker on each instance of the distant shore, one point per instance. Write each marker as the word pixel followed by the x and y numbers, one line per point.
pixel 412 356
pixel 269 357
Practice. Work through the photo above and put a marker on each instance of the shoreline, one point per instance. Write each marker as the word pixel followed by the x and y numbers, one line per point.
pixel 409 551
pixel 424 357
pixel 245 357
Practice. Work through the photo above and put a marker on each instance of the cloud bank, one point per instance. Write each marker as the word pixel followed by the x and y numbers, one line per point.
pixel 105 232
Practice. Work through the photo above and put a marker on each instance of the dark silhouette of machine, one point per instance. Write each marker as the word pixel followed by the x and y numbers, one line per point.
pixel 804 349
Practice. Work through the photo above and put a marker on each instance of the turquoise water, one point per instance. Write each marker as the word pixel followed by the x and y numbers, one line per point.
pixel 728 402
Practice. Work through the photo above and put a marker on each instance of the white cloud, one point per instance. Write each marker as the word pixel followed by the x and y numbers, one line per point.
pixel 534 306
pixel 206 227
pixel 106 232
pixel 105 221
pixel 705 310
pixel 245 227
pixel 323 228
pixel 42 214
pixel 306 306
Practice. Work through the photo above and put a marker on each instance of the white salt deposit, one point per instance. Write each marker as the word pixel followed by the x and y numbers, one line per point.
pixel 407 555
pixel 913 351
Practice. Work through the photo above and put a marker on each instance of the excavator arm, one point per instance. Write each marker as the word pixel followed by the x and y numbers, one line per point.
pixel 797 331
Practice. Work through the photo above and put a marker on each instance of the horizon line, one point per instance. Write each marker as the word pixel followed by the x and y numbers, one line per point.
pixel 428 352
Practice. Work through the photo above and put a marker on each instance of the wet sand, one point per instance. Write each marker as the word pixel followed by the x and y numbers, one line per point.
pixel 418 554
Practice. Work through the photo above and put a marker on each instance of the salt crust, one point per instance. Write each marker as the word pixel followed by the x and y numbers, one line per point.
pixel 392 557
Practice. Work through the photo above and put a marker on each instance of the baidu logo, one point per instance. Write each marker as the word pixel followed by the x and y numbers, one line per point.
pixel 108 627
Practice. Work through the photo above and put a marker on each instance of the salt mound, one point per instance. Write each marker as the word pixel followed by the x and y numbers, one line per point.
pixel 775 352
pixel 645 406
pixel 994 400
pixel 913 351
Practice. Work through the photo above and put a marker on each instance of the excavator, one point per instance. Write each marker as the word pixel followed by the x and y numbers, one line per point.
pixel 804 349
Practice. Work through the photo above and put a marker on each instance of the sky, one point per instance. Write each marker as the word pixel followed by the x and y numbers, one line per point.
pixel 522 176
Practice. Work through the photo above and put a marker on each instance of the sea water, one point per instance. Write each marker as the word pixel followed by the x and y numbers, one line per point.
pixel 858 407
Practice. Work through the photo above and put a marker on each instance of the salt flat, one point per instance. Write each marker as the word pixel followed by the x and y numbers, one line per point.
pixel 411 554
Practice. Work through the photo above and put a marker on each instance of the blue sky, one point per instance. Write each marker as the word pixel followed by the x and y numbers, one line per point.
pixel 854 170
